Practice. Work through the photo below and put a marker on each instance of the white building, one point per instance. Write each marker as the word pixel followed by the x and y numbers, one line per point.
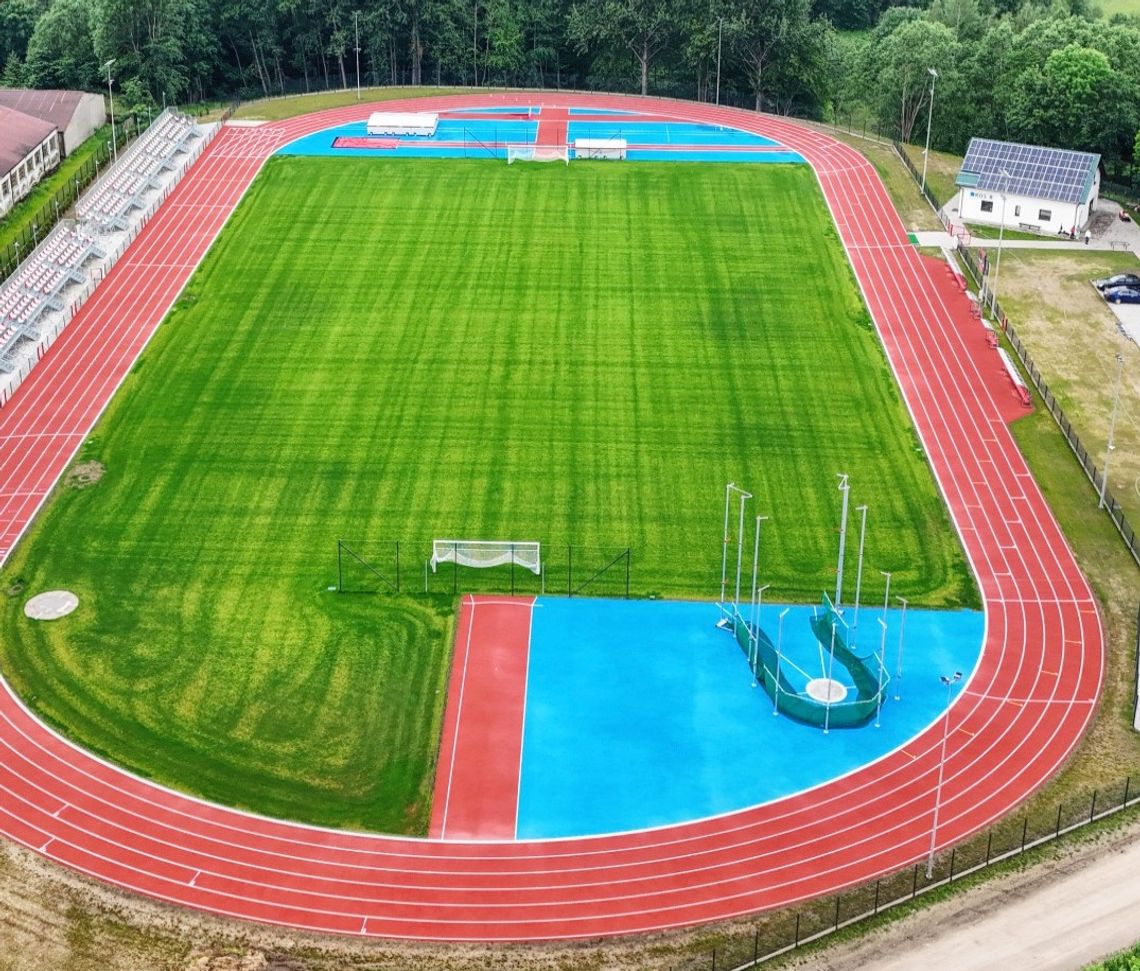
pixel 29 148
pixel 75 114
pixel 1045 190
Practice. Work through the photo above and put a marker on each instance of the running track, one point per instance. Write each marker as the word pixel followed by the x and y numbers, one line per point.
pixel 1012 726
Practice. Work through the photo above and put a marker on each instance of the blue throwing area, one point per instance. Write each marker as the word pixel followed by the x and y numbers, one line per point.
pixel 642 713
pixel 487 133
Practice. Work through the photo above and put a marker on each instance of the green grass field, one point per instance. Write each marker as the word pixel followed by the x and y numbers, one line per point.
pixel 382 350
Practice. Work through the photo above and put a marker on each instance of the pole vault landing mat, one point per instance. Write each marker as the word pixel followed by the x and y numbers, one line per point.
pixel 574 717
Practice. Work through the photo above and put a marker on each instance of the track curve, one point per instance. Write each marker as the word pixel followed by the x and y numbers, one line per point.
pixel 1016 721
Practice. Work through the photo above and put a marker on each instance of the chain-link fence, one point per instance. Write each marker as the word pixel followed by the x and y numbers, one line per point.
pixel 1095 476
pixel 779 933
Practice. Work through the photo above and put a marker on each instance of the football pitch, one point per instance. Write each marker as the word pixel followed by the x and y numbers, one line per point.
pixel 400 350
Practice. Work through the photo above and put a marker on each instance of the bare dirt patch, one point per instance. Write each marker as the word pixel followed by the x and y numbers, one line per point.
pixel 84 475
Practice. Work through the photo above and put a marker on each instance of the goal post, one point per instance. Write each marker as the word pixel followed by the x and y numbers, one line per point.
pixel 538 153
pixel 481 554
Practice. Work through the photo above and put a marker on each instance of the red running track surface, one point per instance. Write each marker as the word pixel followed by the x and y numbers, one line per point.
pixel 1011 727
pixel 480 751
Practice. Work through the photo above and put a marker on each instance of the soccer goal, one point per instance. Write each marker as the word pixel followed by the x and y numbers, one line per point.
pixel 480 554
pixel 538 153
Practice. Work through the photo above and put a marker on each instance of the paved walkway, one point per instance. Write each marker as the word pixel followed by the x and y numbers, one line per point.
pixel 943 240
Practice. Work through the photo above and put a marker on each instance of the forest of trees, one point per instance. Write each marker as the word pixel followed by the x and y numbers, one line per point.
pixel 1055 74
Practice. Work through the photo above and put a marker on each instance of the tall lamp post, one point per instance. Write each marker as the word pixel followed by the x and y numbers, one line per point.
pixel 929 118
pixel 356 28
pixel 1111 429
pixel 1001 237
pixel 111 98
pixel 949 681
pixel 719 38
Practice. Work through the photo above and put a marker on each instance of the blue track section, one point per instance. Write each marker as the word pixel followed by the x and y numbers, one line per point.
pixel 642 713
pixel 485 138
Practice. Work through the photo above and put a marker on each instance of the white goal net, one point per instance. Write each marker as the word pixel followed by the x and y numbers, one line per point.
pixel 484 553
pixel 538 153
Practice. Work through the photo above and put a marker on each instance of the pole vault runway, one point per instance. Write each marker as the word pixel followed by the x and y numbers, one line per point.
pixel 1021 715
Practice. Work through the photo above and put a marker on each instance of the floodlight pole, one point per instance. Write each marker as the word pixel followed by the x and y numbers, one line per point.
pixel 882 665
pixel 779 649
pixel 844 488
pixel 356 27
pixel 858 576
pixel 755 657
pixel 719 39
pixel 744 497
pixel 949 682
pixel 111 98
pixel 1001 238
pixel 753 637
pixel 929 118
pixel 830 668
pixel 1111 429
pixel 898 662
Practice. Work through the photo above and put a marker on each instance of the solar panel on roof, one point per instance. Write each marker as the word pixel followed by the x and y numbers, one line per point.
pixel 1047 173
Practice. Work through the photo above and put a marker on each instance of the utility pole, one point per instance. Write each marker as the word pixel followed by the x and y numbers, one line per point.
pixel 111 98
pixel 929 118
pixel 1111 429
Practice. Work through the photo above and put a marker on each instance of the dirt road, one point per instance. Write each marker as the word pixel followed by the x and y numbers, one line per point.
pixel 1060 916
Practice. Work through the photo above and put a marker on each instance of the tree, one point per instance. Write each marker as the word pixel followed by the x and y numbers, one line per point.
pixel 645 27
pixel 17 22
pixel 61 53
pixel 1075 100
pixel 896 70
pixel 763 29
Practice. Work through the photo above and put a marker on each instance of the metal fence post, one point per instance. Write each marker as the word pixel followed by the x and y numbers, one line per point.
pixel 1024 832
pixel 953 850
pixel 989 846
pixel 838 897
pixel 1092 810
pixel 1060 806
pixel 914 884
pixel 797 939
pixel 1127 781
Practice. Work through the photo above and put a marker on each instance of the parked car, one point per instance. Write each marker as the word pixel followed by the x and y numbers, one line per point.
pixel 1120 280
pixel 1122 295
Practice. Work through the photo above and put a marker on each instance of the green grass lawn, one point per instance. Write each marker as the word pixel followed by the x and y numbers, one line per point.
pixel 383 350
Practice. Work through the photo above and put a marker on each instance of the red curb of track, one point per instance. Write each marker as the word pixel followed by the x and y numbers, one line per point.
pixel 1014 723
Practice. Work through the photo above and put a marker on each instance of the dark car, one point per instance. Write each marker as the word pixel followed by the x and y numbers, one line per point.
pixel 1122 295
pixel 1120 280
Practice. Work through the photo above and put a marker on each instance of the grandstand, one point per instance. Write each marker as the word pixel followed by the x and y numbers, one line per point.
pixel 106 207
pixel 36 287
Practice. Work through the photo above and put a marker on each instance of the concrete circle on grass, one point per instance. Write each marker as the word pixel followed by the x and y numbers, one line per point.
pixel 826 690
pixel 51 605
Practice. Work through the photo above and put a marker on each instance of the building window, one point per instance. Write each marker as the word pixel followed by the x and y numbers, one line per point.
pixel 1045 215
pixel 987 205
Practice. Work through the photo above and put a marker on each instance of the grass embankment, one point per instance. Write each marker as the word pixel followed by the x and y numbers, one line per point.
pixel 1073 337
pixel 399 350
pixel 274 109
pixel 18 220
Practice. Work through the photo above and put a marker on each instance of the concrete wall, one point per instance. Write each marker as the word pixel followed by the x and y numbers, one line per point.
pixel 88 116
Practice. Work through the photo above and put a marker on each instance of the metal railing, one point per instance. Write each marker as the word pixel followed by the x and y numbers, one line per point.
pixel 782 932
